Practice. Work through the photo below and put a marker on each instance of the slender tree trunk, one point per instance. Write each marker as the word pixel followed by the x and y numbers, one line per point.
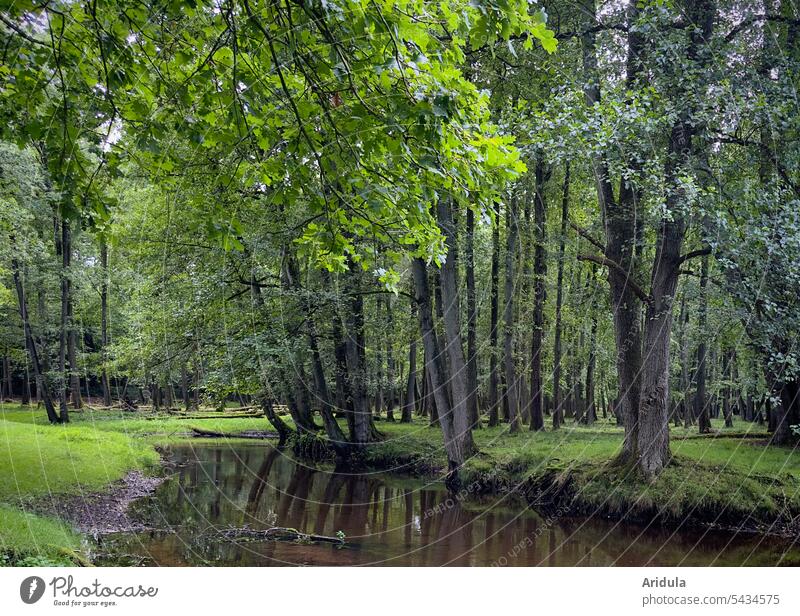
pixel 452 332
pixel 390 397
pixel 455 447
pixel 558 411
pixel 9 381
pixel 380 401
pixel 332 429
pixel 700 397
pixel 508 321
pixel 187 400
pixel 683 343
pixel 494 401
pixel 64 377
pixel 727 411
pixel 26 387
pixel 540 271
pixel 104 323
pixel 297 396
pixel 409 401
pixel 591 410
pixel 353 325
pixel 344 399
pixel 283 430
pixel 472 324
pixel 42 388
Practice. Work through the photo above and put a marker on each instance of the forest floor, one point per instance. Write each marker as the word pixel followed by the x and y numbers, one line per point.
pixel 730 478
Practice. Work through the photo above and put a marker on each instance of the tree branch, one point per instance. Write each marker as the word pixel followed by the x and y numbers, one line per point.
pixel 700 252
pixel 749 21
pixel 587 236
pixel 603 260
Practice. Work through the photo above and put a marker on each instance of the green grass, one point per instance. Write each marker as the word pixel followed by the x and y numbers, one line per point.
pixel 29 539
pixel 36 459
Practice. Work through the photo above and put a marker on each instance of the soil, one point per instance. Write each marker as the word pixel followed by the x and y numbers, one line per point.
pixel 103 512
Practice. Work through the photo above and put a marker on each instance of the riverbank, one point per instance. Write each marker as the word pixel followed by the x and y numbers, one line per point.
pixel 60 483
pixel 730 479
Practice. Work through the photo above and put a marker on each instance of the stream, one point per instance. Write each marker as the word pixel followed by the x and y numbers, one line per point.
pixel 386 519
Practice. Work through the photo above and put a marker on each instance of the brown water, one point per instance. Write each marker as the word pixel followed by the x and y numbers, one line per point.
pixel 387 520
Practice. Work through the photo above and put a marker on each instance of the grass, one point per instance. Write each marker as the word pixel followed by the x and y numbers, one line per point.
pixel 36 460
pixel 718 478
pixel 27 539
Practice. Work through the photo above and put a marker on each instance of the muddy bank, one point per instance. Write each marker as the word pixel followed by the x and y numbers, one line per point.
pixel 100 513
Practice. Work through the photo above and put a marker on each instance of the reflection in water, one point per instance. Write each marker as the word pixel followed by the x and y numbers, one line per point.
pixel 387 520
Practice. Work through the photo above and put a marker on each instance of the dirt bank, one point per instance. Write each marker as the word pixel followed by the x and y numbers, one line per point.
pixel 103 512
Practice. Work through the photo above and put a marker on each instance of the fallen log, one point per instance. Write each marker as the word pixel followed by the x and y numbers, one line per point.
pixel 278 533
pixel 719 434
pixel 220 416
pixel 253 434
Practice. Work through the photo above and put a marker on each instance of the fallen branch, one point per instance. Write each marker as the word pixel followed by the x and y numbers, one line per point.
pixel 278 533
pixel 254 434
pixel 239 416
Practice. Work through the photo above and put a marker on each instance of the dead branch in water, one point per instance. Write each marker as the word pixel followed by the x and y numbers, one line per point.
pixel 278 533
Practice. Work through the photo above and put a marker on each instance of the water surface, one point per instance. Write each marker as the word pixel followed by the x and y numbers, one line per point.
pixel 386 520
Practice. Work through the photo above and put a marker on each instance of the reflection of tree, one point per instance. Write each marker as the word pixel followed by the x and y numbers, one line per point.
pixel 296 491
pixel 408 506
pixel 257 489
pixel 332 488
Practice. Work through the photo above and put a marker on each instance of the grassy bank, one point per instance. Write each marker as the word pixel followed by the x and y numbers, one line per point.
pixel 730 478
pixel 39 460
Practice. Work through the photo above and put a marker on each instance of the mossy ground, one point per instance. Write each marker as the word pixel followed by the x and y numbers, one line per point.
pixel 718 478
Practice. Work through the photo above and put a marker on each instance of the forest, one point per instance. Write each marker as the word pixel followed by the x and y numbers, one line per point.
pixel 542 252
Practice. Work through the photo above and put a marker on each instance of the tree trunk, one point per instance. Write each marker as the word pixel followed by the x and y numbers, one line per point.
pixel 185 387
pixel 298 395
pixel 558 411
pixel 620 219
pixel 353 325
pixel 409 401
pixel 332 429
pixel 700 397
pixel 727 411
pixel 786 412
pixel 42 387
pixel 494 398
pixel 457 375
pixel 390 397
pixel 455 447
pixel 344 398
pixel 64 377
pixel 26 387
pixel 683 342
pixel 104 324
pixel 540 271
pixel 591 410
pixel 9 381
pixel 508 321
pixel 472 324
